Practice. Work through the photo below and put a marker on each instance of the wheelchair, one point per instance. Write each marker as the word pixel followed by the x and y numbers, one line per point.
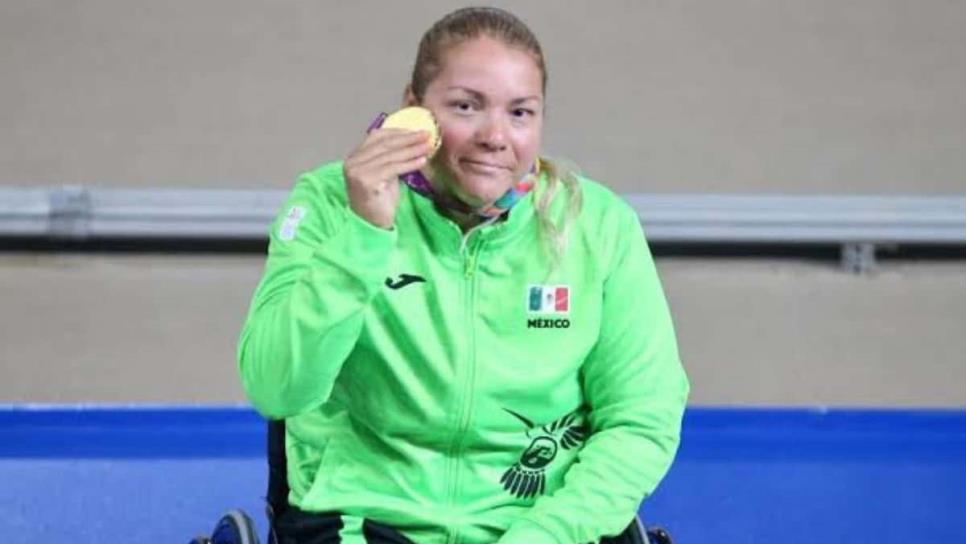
pixel 236 527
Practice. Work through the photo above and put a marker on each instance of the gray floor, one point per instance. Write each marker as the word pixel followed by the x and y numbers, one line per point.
pixel 95 328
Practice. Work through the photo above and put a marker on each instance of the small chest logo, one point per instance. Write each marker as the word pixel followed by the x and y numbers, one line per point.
pixel 548 299
pixel 404 280
pixel 552 302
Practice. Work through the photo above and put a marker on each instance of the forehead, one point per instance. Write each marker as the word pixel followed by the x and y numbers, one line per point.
pixel 492 68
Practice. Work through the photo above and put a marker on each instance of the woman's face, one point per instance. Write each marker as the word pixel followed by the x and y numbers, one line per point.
pixel 488 100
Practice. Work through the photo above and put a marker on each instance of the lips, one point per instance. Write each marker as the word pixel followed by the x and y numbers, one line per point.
pixel 483 165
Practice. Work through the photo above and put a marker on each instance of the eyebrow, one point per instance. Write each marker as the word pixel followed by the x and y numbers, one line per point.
pixel 479 96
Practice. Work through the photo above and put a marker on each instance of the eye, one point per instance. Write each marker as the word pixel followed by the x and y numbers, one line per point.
pixel 523 112
pixel 462 106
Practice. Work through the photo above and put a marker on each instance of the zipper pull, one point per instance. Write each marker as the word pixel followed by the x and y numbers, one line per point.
pixel 470 263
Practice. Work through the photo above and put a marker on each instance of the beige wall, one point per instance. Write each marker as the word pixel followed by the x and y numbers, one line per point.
pixel 812 96
pixel 79 328
pixel 743 95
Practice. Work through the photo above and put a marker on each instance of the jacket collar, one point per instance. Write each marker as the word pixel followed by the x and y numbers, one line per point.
pixel 446 236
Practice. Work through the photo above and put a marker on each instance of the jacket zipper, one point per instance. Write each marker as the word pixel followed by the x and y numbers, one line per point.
pixel 470 254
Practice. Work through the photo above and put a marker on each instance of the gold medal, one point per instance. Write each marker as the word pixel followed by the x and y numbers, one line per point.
pixel 416 118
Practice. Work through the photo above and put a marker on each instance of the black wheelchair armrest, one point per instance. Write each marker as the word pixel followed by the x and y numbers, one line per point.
pixel 277 494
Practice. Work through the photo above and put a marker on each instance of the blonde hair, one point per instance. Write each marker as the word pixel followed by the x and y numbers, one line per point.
pixel 555 231
pixel 470 23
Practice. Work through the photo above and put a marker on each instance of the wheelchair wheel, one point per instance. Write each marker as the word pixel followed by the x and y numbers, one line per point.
pixel 235 527
pixel 657 535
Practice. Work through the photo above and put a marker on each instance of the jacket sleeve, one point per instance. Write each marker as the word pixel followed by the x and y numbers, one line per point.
pixel 636 388
pixel 324 266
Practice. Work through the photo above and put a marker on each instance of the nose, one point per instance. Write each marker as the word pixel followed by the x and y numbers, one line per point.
pixel 492 133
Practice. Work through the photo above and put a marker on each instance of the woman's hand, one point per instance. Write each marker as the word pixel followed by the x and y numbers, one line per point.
pixel 372 171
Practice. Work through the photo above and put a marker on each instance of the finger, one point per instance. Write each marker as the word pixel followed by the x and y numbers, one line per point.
pixel 389 136
pixel 393 170
pixel 362 168
pixel 375 174
pixel 383 168
pixel 386 140
pixel 401 154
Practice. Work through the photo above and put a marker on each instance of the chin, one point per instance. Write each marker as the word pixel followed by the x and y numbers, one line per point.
pixel 471 188
pixel 482 192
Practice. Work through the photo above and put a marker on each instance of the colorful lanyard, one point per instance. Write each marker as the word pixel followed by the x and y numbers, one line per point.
pixel 418 183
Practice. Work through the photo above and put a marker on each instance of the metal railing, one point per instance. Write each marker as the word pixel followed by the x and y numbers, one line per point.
pixel 859 224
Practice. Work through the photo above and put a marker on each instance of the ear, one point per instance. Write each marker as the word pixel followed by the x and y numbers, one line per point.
pixel 409 98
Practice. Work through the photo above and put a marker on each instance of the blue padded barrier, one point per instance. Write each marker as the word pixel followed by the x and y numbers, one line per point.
pixel 162 474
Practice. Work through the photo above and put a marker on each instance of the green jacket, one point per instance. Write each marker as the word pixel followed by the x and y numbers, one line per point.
pixel 449 387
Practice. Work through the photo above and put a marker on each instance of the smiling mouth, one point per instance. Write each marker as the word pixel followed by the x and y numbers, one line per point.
pixel 484 165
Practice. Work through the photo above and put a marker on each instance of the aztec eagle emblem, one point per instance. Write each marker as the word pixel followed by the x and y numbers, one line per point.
pixel 527 478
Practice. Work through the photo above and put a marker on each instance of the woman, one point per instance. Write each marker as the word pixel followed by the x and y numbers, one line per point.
pixel 451 367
